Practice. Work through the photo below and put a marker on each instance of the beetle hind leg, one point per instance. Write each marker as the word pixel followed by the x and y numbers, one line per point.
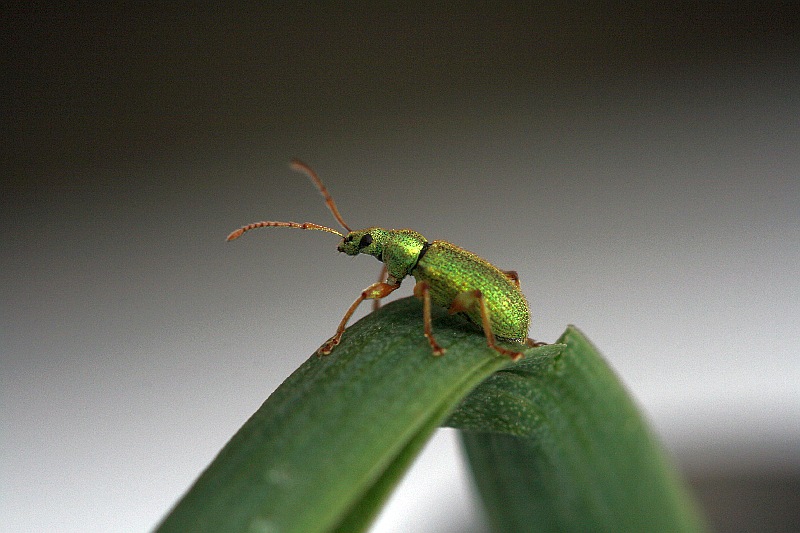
pixel 464 302
pixel 534 343
pixel 513 276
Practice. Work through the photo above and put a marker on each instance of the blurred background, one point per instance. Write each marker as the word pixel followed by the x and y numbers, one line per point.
pixel 639 167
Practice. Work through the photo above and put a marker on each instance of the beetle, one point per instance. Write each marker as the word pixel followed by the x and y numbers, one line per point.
pixel 446 275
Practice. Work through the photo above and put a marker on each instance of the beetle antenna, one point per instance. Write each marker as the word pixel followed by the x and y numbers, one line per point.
pixel 299 166
pixel 271 224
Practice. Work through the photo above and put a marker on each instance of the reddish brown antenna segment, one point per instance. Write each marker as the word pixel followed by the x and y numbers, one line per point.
pixel 273 224
pixel 299 166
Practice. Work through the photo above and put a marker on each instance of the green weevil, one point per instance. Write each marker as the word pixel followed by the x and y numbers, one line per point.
pixel 446 275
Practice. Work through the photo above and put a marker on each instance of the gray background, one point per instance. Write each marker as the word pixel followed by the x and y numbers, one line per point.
pixel 640 169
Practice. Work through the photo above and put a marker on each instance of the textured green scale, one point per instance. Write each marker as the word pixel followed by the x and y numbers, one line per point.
pixel 451 270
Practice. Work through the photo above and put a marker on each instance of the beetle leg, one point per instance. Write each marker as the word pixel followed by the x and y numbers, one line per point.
pixel 464 301
pixel 375 291
pixel 376 304
pixel 512 275
pixel 534 343
pixel 422 290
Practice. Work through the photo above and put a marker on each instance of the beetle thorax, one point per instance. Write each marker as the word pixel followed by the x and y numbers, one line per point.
pixel 399 249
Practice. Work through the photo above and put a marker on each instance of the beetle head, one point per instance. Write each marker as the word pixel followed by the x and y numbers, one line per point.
pixel 364 241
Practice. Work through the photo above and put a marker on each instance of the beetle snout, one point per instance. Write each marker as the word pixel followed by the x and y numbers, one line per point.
pixel 346 247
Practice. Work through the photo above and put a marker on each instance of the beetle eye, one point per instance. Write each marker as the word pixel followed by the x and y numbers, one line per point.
pixel 365 241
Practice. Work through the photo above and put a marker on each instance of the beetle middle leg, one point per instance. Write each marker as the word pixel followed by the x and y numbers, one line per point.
pixel 464 302
pixel 422 290
pixel 375 291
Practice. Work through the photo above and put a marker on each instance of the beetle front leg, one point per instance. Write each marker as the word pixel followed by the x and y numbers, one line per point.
pixel 422 290
pixel 375 291
pixel 381 276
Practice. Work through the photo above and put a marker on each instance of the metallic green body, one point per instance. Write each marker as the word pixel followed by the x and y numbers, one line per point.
pixel 449 271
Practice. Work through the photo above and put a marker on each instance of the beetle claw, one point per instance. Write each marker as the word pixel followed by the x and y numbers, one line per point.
pixel 328 346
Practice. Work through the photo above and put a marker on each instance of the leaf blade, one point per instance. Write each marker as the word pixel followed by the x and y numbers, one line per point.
pixel 340 429
pixel 580 457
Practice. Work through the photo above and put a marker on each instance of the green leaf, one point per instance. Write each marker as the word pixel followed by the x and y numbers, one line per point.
pixel 554 440
pixel 560 446
pixel 324 451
